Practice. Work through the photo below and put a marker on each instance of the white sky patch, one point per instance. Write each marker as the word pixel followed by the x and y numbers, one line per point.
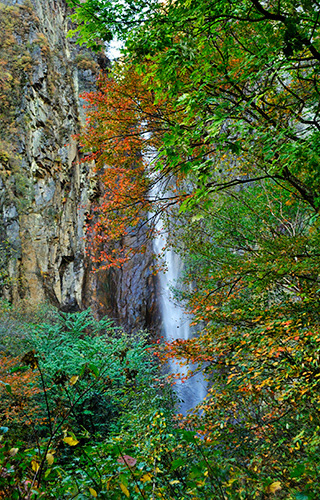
pixel 114 49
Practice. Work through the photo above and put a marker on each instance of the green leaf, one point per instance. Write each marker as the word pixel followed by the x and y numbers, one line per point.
pixel 188 436
pixel 7 386
pixel 177 463
pixel 94 369
pixel 298 471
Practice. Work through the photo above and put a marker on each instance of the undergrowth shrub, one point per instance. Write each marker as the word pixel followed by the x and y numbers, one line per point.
pixel 90 381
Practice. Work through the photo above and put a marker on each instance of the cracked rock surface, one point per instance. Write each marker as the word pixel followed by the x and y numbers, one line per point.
pixel 44 187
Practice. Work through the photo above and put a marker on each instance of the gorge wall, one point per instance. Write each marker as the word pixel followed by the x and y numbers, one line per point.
pixel 45 189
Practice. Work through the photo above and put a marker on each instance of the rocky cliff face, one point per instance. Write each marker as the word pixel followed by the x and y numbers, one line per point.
pixel 44 188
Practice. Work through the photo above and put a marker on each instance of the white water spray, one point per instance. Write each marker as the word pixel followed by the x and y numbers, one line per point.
pixel 175 323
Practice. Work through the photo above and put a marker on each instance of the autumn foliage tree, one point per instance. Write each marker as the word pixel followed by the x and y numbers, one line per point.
pixel 253 271
pixel 113 136
pixel 123 132
pixel 241 81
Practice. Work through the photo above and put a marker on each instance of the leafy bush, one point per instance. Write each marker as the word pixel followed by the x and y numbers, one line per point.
pixel 93 364
pixel 104 424
pixel 89 378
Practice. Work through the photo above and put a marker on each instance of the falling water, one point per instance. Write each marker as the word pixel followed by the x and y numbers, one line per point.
pixel 175 323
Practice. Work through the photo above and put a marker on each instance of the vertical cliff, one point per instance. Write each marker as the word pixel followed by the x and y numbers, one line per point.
pixel 44 187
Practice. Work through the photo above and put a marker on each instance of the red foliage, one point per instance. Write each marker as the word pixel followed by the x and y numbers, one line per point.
pixel 122 137
pixel 18 406
pixel 116 138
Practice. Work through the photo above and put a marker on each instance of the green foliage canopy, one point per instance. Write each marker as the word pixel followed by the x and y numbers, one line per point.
pixel 242 79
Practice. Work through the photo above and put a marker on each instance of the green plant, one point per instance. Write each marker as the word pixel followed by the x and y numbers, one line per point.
pixel 141 452
pixel 80 348
pixel 78 361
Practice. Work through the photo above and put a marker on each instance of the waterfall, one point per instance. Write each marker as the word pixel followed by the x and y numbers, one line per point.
pixel 176 323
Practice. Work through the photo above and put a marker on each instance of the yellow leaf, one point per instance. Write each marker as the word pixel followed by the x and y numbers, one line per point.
pixel 125 490
pixel 73 380
pixel 35 466
pixel 231 481
pixel 146 478
pixel 93 492
pixel 174 481
pixel 70 440
pixel 13 452
pixel 274 487
pixel 50 458
pixel 201 483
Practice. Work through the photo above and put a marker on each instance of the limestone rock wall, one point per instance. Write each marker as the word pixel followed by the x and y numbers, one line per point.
pixel 44 188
